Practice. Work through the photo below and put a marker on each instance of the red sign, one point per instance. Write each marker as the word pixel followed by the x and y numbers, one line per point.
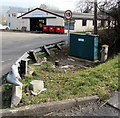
pixel 68 15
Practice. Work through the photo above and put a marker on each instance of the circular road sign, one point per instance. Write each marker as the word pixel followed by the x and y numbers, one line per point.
pixel 68 14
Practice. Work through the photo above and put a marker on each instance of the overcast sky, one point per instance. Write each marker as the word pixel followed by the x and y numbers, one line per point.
pixel 61 4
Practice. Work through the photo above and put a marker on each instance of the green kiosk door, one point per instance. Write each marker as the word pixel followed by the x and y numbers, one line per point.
pixel 84 46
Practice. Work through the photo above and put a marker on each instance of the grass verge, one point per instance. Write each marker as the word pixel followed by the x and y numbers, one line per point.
pixel 62 84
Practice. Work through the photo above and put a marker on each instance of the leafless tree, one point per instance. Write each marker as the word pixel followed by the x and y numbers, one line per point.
pixel 43 6
pixel 111 8
pixel 107 8
pixel 48 7
pixel 84 6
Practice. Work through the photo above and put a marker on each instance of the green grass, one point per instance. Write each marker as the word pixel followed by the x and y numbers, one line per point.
pixel 101 80
pixel 6 93
pixel 43 55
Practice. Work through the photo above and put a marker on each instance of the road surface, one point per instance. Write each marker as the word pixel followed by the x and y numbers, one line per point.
pixel 89 110
pixel 15 44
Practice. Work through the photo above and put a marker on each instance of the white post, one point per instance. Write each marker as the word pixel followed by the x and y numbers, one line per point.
pixel 104 53
pixel 68 29
pixel 68 33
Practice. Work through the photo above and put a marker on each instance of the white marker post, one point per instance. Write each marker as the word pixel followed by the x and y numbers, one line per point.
pixel 68 21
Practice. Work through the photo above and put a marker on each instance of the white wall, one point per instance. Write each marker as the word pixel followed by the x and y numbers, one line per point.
pixel 55 21
pixel 11 20
pixel 78 26
pixel 36 13
pixel 18 23
pixel 23 23
pixel 49 21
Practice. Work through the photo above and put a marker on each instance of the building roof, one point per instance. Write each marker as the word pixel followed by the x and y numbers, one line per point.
pixel 41 10
pixel 19 10
pixel 77 15
pixel 58 13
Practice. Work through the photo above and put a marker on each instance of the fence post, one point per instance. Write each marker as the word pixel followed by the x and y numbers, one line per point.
pixel 33 56
pixel 23 67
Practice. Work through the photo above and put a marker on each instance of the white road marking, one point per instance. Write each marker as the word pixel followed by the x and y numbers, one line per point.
pixel 9 59
pixel 2 61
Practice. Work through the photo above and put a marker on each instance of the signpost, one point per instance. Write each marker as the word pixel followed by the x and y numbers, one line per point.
pixel 68 17
pixel 71 24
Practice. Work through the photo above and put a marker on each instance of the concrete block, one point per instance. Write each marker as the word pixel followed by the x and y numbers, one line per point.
pixel 16 95
pixel 36 87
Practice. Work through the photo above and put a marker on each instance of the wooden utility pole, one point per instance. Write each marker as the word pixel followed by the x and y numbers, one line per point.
pixel 95 16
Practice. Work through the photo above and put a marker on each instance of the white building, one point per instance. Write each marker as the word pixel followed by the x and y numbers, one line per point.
pixel 12 14
pixel 31 20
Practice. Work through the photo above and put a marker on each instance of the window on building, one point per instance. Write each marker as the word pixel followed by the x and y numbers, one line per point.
pixel 9 24
pixel 13 14
pixel 84 22
pixel 9 15
pixel 93 22
pixel 41 21
pixel 102 23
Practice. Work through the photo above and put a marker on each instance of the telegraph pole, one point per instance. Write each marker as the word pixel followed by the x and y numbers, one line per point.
pixel 95 16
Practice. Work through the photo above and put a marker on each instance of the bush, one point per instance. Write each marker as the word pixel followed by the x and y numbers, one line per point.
pixel 111 38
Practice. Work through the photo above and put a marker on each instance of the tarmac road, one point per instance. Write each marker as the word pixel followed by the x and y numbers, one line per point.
pixel 91 110
pixel 15 44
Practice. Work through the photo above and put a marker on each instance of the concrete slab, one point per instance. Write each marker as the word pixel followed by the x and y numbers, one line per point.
pixel 16 95
pixel 36 87
pixel 114 101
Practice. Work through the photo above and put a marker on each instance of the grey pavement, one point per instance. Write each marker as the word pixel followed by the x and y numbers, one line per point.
pixel 114 101
pixel 110 109
pixel 89 110
pixel 15 44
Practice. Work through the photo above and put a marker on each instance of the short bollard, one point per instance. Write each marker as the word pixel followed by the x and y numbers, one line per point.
pixel 104 53
pixel 57 63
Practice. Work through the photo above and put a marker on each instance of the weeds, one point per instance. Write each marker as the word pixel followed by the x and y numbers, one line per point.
pixel 101 80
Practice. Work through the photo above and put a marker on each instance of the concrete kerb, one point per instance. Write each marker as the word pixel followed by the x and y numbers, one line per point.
pixel 41 109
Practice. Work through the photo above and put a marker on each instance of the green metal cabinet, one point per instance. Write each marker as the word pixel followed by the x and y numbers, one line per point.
pixel 84 46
